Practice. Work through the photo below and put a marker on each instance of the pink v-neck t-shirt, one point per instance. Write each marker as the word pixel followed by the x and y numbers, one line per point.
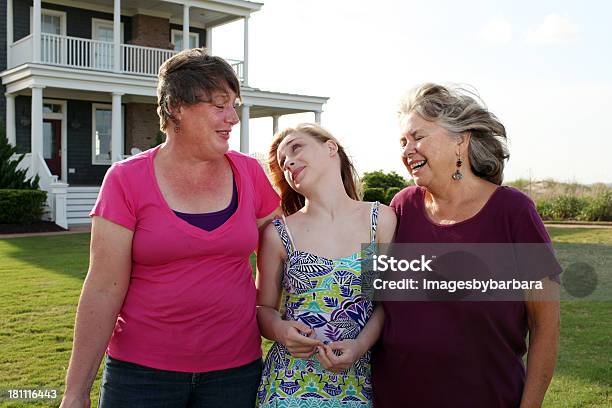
pixel 190 304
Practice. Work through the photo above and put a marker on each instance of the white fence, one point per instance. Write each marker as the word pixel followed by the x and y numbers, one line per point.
pixel 143 60
pixel 83 53
pixel 55 207
pixel 21 51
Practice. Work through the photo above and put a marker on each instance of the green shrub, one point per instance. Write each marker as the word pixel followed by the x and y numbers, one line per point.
pixel 21 206
pixel 568 207
pixel 10 176
pixel 545 209
pixel 598 208
pixel 374 194
pixel 564 207
pixel 391 192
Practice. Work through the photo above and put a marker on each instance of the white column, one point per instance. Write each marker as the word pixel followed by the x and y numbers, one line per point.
pixel 275 123
pixel 37 126
pixel 209 40
pixel 245 63
pixel 318 117
pixel 244 128
pixel 117 36
pixel 36 29
pixel 185 26
pixel 116 129
pixel 10 119
pixel 9 31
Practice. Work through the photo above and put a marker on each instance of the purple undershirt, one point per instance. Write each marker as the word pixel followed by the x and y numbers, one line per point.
pixel 212 220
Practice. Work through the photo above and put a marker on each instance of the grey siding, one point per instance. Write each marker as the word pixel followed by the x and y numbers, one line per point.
pixel 23 108
pixel 2 60
pixel 80 145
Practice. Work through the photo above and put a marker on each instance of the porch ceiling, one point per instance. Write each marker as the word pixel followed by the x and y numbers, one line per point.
pixel 265 111
pixel 204 13
pixel 267 103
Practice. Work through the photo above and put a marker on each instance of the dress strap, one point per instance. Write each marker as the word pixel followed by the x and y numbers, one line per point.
pixel 284 234
pixel 374 221
pixel 291 241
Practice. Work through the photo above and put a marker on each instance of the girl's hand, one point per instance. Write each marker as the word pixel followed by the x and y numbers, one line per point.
pixel 350 352
pixel 298 338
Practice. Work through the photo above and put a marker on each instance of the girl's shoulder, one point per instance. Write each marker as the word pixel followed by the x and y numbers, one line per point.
pixel 386 224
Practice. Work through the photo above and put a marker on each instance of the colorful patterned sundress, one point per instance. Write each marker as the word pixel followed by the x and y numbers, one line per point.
pixel 327 296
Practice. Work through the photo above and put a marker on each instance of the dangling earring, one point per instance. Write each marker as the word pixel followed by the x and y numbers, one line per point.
pixel 457 175
pixel 177 129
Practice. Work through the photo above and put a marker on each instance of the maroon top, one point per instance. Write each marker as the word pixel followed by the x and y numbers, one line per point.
pixel 457 354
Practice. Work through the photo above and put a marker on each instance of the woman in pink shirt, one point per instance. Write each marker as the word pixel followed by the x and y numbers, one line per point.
pixel 169 294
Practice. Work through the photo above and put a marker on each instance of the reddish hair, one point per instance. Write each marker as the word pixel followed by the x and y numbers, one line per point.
pixel 291 200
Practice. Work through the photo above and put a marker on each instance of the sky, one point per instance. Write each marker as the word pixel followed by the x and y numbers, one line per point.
pixel 544 68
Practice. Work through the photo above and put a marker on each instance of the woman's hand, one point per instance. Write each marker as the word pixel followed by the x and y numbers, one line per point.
pixel 78 401
pixel 298 338
pixel 350 352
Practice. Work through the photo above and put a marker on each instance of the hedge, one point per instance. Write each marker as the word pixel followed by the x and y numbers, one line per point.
pixel 563 207
pixel 598 208
pixel 586 208
pixel 21 206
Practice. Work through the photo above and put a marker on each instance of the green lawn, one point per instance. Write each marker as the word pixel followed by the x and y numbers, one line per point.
pixel 41 280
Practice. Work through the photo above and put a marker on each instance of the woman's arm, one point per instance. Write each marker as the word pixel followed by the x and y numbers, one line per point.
pixel 352 350
pixel 101 299
pixel 543 320
pixel 262 223
pixel 296 336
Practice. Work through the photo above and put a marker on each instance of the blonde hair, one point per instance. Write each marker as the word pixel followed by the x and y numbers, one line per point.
pixel 291 200
pixel 459 110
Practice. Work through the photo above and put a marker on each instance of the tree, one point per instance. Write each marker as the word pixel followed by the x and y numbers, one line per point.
pixel 381 186
pixel 380 179
pixel 374 194
pixel 10 176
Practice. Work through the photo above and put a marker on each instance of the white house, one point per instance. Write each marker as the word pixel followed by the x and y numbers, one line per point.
pixel 79 80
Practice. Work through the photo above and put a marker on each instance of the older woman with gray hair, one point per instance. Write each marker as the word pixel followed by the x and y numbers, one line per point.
pixel 463 354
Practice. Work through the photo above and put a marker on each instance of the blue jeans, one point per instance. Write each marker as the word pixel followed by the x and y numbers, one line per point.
pixel 131 385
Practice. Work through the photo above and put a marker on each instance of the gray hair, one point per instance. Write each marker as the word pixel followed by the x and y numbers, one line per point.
pixel 459 110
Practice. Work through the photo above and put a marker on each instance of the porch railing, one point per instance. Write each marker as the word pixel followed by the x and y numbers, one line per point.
pixel 21 51
pixel 238 68
pixel 84 53
pixel 55 206
pixel 76 52
pixel 143 60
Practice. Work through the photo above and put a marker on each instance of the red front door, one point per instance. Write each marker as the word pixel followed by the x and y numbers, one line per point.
pixel 52 145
